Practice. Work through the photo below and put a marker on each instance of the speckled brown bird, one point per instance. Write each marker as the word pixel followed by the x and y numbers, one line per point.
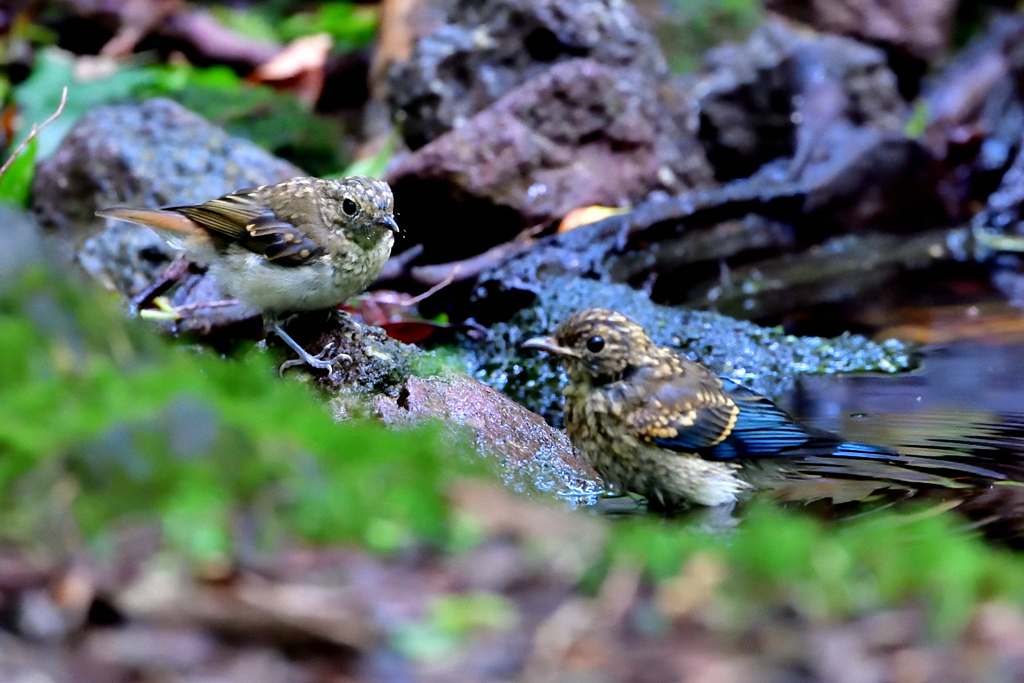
pixel 301 245
pixel 653 422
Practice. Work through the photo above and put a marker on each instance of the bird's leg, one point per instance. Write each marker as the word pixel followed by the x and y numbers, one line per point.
pixel 172 273
pixel 305 358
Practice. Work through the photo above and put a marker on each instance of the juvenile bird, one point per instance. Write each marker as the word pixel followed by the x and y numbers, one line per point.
pixel 301 245
pixel 653 422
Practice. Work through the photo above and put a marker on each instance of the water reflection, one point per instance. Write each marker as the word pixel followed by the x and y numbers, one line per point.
pixel 966 404
pixel 964 383
pixel 968 398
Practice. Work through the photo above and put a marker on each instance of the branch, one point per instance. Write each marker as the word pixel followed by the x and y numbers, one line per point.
pixel 36 129
pixel 457 271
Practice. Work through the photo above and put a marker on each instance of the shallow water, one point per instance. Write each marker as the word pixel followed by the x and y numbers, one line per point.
pixel 968 398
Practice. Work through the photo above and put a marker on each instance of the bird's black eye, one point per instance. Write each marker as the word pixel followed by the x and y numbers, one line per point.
pixel 595 344
pixel 349 207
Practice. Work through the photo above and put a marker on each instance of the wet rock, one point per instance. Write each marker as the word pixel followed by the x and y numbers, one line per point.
pixel 1004 211
pixel 869 179
pixel 919 28
pixel 774 95
pixel 844 165
pixel 532 455
pixel 976 117
pixel 581 133
pixel 1001 225
pixel 156 153
pixel 378 365
pixel 977 100
pixel 765 359
pixel 484 49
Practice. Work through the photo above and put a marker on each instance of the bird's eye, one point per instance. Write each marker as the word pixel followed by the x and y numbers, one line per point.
pixel 595 344
pixel 349 207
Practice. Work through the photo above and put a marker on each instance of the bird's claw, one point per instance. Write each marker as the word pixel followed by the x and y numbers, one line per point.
pixel 306 358
pixel 318 361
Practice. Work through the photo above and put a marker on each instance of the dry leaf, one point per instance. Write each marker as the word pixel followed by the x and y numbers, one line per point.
pixel 298 68
pixel 588 214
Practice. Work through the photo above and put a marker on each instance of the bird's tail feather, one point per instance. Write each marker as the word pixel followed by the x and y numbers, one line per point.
pixel 154 218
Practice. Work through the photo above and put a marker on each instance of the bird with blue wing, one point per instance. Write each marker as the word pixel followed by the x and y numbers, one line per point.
pixel 655 423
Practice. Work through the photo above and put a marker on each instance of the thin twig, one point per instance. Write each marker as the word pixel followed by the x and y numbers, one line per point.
pixel 457 271
pixel 36 129
pixel 398 265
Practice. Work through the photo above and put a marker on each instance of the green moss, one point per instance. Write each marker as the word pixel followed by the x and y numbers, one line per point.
pixel 137 428
pixel 437 362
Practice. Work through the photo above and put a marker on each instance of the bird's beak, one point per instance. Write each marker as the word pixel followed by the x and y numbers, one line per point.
pixel 548 344
pixel 389 223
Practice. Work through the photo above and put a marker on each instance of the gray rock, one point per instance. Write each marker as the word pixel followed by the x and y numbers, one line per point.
pixel 775 94
pixel 531 455
pixel 581 133
pixel 484 49
pixel 919 28
pixel 21 243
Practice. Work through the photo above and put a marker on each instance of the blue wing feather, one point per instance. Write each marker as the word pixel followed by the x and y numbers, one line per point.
pixel 762 429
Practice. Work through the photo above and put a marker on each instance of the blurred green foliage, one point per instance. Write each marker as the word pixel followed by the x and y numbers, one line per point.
pixel 692 27
pixel 136 428
pixel 374 166
pixel 39 95
pixel 919 119
pixel 16 182
pixel 274 120
pixel 829 572
pixel 351 26
pixel 450 620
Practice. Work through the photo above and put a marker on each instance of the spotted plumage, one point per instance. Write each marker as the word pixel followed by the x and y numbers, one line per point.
pixel 653 422
pixel 301 245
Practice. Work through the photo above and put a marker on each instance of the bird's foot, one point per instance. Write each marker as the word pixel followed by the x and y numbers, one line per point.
pixel 319 361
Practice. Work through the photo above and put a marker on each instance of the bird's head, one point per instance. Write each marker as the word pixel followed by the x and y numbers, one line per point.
pixel 596 345
pixel 362 206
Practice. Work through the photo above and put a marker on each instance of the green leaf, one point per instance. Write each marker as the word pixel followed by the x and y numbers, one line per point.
pixel 39 95
pixel 351 26
pixel 374 166
pixel 16 182
pixel 249 22
pixel 920 116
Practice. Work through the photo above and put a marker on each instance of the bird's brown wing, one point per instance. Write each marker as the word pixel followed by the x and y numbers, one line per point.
pixel 238 219
pixel 686 413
